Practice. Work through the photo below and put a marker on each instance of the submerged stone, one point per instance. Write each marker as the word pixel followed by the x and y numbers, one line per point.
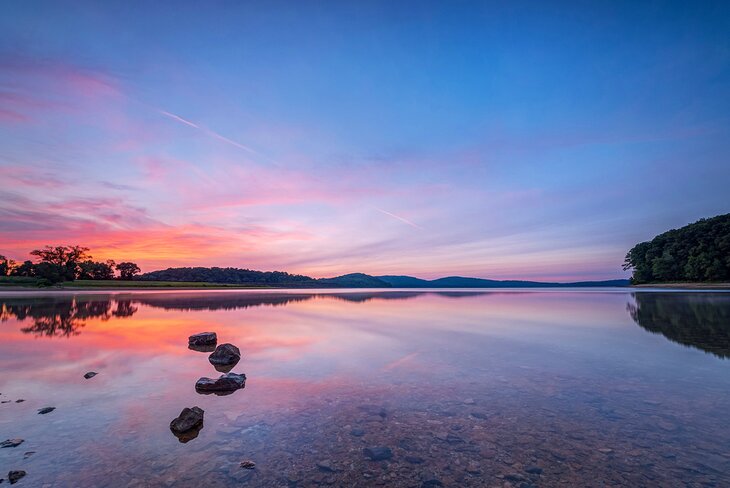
pixel 46 410
pixel 11 443
pixel 248 464
pixel 225 355
pixel 227 383
pixel 14 476
pixel 378 453
pixel 188 424
pixel 90 375
pixel 203 339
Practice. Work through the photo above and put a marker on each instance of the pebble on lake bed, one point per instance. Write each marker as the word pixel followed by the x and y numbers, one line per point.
pixel 46 410
pixel 14 476
pixel 248 464
pixel 378 453
pixel 11 443
pixel 90 375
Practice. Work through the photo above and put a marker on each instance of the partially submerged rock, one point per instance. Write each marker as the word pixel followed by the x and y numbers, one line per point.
pixel 226 384
pixel 225 355
pixel 90 375
pixel 46 410
pixel 203 339
pixel 378 453
pixel 11 443
pixel 203 348
pixel 14 476
pixel 188 424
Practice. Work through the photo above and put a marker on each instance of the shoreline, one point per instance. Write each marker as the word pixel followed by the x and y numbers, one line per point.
pixel 687 286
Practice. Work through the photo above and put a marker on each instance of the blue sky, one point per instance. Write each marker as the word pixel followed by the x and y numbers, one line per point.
pixel 505 141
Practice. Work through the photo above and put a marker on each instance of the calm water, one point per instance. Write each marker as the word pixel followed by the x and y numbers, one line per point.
pixel 499 388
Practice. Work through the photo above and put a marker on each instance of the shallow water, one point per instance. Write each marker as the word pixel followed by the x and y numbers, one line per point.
pixel 466 388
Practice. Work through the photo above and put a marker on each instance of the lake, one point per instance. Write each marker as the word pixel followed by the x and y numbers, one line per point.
pixel 609 387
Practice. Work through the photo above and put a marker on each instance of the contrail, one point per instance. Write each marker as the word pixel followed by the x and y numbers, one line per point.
pixel 208 131
pixel 406 221
pixel 179 119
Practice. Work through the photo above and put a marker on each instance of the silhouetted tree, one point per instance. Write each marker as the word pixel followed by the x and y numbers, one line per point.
pixel 95 270
pixel 6 265
pixel 64 260
pixel 127 270
pixel 25 269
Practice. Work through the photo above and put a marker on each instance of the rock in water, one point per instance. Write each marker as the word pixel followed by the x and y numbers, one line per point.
pixel 248 464
pixel 189 418
pixel 378 453
pixel 225 355
pixel 203 339
pixel 14 476
pixel 11 443
pixel 46 410
pixel 90 375
pixel 188 424
pixel 226 384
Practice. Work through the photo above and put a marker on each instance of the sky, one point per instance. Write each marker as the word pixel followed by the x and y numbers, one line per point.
pixel 488 139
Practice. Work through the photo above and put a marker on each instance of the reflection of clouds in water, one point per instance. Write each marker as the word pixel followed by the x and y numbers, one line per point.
pixel 64 316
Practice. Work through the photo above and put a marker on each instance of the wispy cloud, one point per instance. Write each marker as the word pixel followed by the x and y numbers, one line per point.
pixel 405 221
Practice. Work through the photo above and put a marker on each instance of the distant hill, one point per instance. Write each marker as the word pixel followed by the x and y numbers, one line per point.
pixel 461 282
pixel 280 279
pixel 698 252
pixel 355 280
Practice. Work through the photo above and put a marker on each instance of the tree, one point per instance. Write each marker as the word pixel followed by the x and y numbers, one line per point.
pixel 94 270
pixel 25 269
pixel 6 265
pixel 66 259
pixel 49 273
pixel 127 270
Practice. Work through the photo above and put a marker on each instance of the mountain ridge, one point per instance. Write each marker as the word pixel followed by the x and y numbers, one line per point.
pixel 282 279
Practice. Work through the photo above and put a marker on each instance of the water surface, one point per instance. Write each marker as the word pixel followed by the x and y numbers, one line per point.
pixel 465 388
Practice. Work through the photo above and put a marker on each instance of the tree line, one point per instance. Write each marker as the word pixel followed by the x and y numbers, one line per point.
pixel 698 252
pixel 229 275
pixel 55 264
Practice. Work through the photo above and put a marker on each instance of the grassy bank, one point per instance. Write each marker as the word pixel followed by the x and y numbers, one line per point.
pixel 15 281
pixel 24 282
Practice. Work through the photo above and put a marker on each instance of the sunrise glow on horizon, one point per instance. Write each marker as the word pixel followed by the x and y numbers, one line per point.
pixel 506 142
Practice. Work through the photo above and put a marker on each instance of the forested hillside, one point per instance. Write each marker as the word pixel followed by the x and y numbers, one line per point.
pixel 698 252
